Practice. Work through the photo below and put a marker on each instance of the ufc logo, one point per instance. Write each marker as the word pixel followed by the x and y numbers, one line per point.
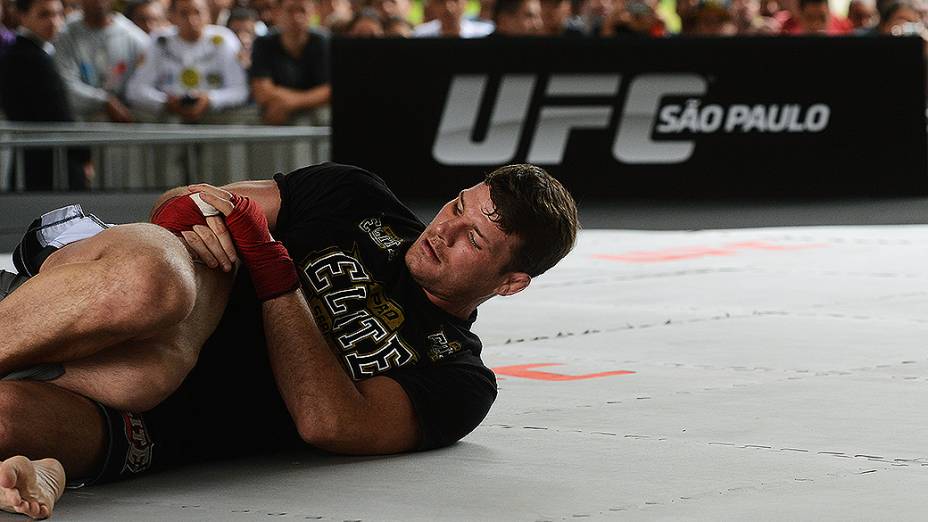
pixel 454 144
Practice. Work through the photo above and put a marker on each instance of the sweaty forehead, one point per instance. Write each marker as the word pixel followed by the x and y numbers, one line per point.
pixel 479 195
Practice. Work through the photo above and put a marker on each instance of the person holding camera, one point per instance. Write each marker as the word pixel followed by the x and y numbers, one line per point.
pixel 191 69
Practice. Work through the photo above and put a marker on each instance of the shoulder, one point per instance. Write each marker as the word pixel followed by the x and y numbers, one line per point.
pixel 318 33
pixel 131 30
pixel 271 38
pixel 432 28
pixel 220 37
pixel 335 174
pixel 160 41
pixel 73 24
pixel 476 28
pixel 164 36
pixel 26 49
pixel 331 186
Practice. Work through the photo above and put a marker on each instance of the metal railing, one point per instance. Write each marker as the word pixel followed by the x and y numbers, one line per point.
pixel 153 156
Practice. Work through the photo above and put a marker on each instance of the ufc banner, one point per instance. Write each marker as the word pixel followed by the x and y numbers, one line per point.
pixel 672 117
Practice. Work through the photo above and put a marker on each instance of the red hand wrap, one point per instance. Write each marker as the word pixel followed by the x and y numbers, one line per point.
pixel 178 214
pixel 272 270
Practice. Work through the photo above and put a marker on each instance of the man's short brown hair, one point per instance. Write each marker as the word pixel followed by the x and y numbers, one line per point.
pixel 530 204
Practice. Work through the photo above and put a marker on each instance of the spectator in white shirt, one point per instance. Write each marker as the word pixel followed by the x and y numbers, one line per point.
pixel 191 69
pixel 97 53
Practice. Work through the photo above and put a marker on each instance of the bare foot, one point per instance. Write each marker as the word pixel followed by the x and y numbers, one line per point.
pixel 30 487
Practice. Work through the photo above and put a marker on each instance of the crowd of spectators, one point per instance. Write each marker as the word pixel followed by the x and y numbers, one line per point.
pixel 190 60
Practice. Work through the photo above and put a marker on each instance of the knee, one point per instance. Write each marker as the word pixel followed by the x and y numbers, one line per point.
pixel 165 285
pixel 156 278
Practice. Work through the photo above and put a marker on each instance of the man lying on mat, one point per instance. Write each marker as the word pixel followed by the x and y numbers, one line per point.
pixel 101 345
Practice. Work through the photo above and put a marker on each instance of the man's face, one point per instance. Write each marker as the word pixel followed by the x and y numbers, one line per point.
pixel 390 8
pixel 215 6
pixel 96 8
pixel 265 10
pixel 461 255
pixel 366 28
pixel 190 17
pixel 861 14
pixel 554 15
pixel 524 22
pixel 450 10
pixel 596 9
pixel 294 15
pixel 814 18
pixel 335 9
pixel 150 17
pixel 44 18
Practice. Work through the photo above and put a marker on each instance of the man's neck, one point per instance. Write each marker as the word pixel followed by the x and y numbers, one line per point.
pixel 98 22
pixel 457 309
pixel 28 33
pixel 294 41
pixel 190 37
pixel 451 27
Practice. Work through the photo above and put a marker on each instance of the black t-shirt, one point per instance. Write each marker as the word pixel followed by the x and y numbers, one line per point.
pixel 269 59
pixel 30 87
pixel 348 235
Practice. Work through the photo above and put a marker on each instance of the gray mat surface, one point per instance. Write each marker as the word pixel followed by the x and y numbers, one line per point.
pixel 771 374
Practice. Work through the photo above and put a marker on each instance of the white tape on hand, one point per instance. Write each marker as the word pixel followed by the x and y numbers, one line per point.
pixel 205 208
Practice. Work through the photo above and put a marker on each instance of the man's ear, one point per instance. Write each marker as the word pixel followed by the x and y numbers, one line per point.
pixel 515 282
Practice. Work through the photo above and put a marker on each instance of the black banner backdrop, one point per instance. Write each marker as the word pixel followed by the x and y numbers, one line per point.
pixel 673 117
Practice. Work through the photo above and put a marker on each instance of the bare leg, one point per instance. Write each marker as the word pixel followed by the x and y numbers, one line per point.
pixel 129 282
pixel 136 375
pixel 40 420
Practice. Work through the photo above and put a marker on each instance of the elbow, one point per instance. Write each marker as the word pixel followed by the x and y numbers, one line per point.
pixel 320 432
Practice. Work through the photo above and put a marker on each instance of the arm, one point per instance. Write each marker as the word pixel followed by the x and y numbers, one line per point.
pixel 278 103
pixel 235 90
pixel 308 99
pixel 141 91
pixel 84 97
pixel 264 192
pixel 330 411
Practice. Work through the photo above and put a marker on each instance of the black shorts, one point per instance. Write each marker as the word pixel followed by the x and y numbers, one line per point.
pixel 228 406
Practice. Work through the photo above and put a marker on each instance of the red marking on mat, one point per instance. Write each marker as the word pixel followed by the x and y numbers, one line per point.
pixel 676 254
pixel 525 371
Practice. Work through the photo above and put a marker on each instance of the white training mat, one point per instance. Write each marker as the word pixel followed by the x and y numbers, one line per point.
pixel 764 374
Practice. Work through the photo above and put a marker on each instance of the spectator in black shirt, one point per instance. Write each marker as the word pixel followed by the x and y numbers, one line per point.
pixel 31 90
pixel 290 66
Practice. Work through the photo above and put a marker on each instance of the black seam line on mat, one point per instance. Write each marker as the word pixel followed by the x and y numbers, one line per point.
pixel 639 277
pixel 835 315
pixel 217 508
pixel 844 240
pixel 626 327
pixel 898 462
pixel 868 301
